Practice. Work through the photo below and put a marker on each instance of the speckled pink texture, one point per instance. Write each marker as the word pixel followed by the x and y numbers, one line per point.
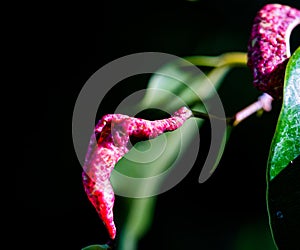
pixel 268 48
pixel 113 133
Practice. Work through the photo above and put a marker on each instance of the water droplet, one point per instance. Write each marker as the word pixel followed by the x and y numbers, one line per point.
pixel 279 215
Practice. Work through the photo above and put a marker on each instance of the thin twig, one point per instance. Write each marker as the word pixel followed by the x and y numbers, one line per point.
pixel 264 103
pixel 204 116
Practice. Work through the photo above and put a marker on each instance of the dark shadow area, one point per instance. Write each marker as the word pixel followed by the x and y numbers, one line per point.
pixel 63 46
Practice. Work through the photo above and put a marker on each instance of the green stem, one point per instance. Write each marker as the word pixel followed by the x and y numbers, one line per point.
pixel 230 58
pixel 201 115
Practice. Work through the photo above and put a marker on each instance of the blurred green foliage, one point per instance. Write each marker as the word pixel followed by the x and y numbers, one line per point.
pixel 96 247
pixel 189 89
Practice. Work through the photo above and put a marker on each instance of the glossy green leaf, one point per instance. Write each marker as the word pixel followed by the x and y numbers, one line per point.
pixel 285 145
pixel 284 206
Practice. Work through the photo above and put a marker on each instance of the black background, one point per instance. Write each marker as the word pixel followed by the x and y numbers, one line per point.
pixel 61 47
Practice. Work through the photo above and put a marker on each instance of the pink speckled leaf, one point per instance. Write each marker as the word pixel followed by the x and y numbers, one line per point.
pixel 268 48
pixel 113 133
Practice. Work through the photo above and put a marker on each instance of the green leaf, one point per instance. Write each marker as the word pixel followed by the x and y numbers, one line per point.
pixel 141 210
pixel 96 247
pixel 284 206
pixel 167 83
pixel 182 83
pixel 203 176
pixel 285 145
pixel 175 84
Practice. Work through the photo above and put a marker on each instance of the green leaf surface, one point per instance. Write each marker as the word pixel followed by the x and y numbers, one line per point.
pixel 175 84
pixel 285 145
pixel 96 247
pixel 182 82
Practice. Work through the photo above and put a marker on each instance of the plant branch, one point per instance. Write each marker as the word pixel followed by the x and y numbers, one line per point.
pixel 205 116
pixel 264 103
pixel 230 58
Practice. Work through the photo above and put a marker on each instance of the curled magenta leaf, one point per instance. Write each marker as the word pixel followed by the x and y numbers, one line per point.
pixel 113 133
pixel 268 48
